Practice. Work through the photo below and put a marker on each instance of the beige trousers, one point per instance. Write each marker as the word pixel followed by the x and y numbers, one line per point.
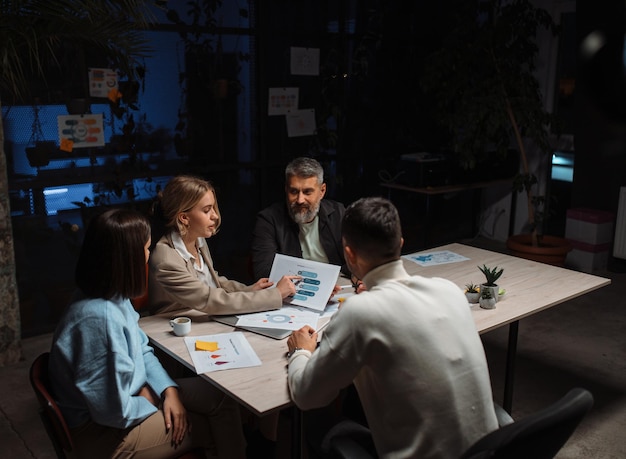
pixel 215 427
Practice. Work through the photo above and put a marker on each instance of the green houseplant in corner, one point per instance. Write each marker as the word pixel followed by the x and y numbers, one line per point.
pixel 489 99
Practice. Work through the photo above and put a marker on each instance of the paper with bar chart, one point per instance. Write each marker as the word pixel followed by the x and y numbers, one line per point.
pixel 221 352
pixel 314 288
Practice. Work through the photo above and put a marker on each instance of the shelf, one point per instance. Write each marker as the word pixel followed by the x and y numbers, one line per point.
pixel 93 174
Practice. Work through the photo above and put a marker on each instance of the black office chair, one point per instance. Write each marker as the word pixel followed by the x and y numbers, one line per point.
pixel 539 436
pixel 52 417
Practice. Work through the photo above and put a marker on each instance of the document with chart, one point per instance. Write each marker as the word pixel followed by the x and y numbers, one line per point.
pixel 221 352
pixel 317 282
pixel 441 257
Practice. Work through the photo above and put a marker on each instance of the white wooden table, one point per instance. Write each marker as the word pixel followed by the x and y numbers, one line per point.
pixel 530 287
pixel 262 389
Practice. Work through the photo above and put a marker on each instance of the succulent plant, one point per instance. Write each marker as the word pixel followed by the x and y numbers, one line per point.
pixel 491 274
pixel 471 288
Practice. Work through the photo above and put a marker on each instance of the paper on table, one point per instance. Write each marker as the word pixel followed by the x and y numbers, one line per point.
pixel 286 318
pixel 317 283
pixel 435 258
pixel 231 351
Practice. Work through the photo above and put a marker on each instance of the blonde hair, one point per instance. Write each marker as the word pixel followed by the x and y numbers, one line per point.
pixel 181 194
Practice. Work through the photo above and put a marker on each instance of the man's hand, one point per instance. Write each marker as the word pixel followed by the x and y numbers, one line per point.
pixel 175 415
pixel 305 338
pixel 357 284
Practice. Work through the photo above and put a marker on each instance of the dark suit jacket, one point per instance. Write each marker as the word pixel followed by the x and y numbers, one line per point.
pixel 275 232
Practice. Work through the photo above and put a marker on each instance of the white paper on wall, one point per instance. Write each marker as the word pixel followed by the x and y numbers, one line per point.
pixel 305 61
pixel 101 81
pixel 282 100
pixel 81 131
pixel 301 123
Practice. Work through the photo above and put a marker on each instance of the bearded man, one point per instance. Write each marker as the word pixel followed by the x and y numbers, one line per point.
pixel 304 226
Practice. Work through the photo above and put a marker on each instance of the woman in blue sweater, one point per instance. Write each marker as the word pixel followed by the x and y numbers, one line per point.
pixel 115 395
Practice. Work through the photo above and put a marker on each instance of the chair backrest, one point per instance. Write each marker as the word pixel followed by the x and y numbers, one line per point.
pixel 52 418
pixel 141 302
pixel 540 435
pixel 49 412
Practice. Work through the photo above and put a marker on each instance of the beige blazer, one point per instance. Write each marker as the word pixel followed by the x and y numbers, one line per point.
pixel 173 284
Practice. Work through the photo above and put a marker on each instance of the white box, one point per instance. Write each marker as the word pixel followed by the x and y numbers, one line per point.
pixel 588 257
pixel 589 226
pixel 582 260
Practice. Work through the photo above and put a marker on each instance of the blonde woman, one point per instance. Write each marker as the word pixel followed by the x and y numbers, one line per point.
pixel 181 269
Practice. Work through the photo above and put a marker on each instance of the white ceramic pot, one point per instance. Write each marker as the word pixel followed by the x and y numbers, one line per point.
pixel 487 303
pixel 472 298
pixel 493 288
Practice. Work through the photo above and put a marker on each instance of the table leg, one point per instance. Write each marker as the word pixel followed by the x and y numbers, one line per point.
pixel 510 366
pixel 427 222
pixel 296 433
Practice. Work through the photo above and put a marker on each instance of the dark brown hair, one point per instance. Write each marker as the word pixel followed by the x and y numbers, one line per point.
pixel 371 226
pixel 112 260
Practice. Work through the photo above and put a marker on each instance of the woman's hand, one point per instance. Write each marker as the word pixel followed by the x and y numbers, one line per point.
pixel 262 283
pixel 175 415
pixel 286 285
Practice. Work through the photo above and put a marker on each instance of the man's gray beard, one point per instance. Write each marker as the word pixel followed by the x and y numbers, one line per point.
pixel 306 217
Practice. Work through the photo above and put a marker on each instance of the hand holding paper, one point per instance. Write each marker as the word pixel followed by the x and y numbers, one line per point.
pixel 317 280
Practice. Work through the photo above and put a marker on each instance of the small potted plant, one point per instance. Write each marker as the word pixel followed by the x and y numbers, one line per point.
pixel 472 293
pixel 487 300
pixel 491 276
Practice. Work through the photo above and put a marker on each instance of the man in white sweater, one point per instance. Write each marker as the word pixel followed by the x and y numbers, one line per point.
pixel 409 345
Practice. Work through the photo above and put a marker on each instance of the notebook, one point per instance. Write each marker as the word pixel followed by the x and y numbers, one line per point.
pixel 276 333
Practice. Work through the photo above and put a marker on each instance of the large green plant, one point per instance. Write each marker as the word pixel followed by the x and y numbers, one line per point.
pixel 483 79
pixel 33 34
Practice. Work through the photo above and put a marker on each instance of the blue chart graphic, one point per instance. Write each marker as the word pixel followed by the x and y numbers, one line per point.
pixel 435 258
pixel 307 286
pixel 278 318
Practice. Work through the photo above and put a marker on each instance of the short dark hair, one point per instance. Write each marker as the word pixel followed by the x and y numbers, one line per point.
pixel 371 226
pixel 112 260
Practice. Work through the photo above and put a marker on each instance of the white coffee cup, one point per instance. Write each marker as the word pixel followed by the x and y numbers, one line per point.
pixel 181 325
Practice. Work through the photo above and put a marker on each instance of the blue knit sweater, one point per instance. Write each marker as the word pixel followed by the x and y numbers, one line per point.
pixel 99 361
